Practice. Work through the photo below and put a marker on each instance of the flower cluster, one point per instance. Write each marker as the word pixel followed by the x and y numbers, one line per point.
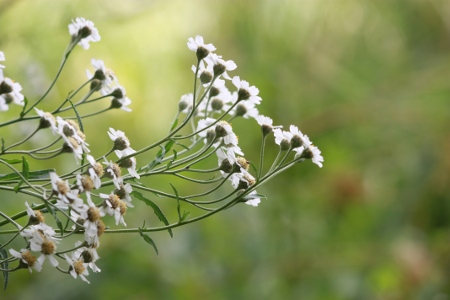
pixel 96 190
pixel 9 90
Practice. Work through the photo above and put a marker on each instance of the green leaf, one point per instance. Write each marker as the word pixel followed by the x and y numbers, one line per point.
pixel 78 116
pixel 183 217
pixel 40 174
pixel 17 187
pixel 4 255
pixel 58 222
pixel 25 167
pixel 3 145
pixel 22 113
pixel 253 167
pixel 173 159
pixel 156 209
pixel 12 161
pixel 149 240
pixel 174 124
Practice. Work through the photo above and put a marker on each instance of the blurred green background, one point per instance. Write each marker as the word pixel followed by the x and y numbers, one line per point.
pixel 368 81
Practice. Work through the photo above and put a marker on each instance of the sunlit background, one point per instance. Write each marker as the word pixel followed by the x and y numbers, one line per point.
pixel 368 81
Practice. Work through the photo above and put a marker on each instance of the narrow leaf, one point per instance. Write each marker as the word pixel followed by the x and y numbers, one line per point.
pixel 78 116
pixel 158 212
pixel 149 240
pixel 17 187
pixel 174 124
pixel 40 174
pixel 58 222
pixel 22 113
pixel 25 167
pixel 3 145
pixel 12 161
pixel 4 255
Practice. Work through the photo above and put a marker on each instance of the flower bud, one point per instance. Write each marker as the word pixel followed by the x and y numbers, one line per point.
pixel 240 110
pixel 202 53
pixel 285 145
pixel 214 91
pixel 243 94
pixel 216 104
pixel 206 77
pixel 296 141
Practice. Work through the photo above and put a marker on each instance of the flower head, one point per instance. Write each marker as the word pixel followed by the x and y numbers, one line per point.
pixel 245 91
pixel 103 78
pixel 27 259
pixel 220 66
pixel 77 267
pixel 2 58
pixel 84 31
pixel 9 92
pixel 199 47
pixel 120 99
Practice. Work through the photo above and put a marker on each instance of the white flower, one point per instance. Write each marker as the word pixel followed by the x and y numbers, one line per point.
pixel 89 256
pixel 204 73
pixel 120 99
pixel 245 91
pixel 95 171
pixel 113 206
pixel 47 247
pixel 26 257
pixel 88 217
pixel 113 171
pixel 263 120
pixel 245 109
pixel 121 142
pixel 186 102
pixel 224 153
pixel 124 193
pixel 67 197
pixel 104 75
pixel 77 268
pixel 40 228
pixel 243 176
pixel 202 124
pixel 131 167
pixel 84 29
pixel 199 47
pixel 220 66
pixel 224 130
pixel 194 44
pixel 254 199
pixel 309 151
pixel 282 135
pixel 47 120
pixel 10 92
pixel 73 137
pixel 2 58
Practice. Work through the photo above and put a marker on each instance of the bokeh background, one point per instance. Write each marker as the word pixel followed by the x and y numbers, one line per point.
pixel 368 81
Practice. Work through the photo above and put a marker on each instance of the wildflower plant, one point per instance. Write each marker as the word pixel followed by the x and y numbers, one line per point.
pixel 94 198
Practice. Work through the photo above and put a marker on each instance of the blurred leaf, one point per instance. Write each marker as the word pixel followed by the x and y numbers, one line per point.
pixel 12 161
pixel 25 167
pixel 4 255
pixel 156 209
pixel 174 124
pixel 22 113
pixel 183 217
pixel 148 240
pixel 52 211
pixel 17 187
pixel 40 174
